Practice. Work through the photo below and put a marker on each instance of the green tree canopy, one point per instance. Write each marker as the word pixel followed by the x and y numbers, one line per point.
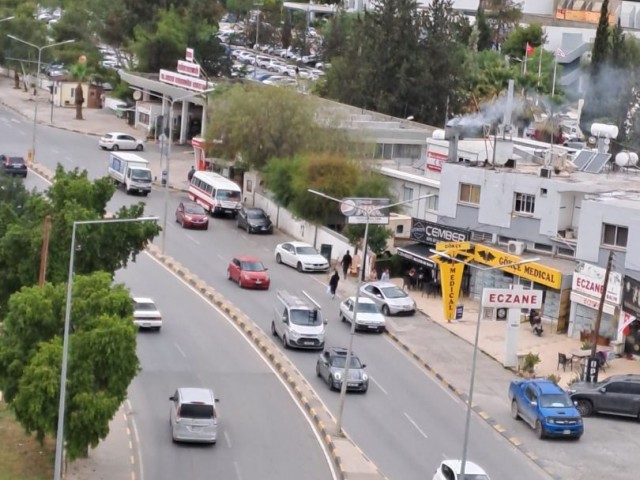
pixel 516 43
pixel 160 45
pixel 102 364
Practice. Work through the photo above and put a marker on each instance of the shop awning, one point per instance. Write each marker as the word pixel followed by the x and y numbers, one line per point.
pixel 417 252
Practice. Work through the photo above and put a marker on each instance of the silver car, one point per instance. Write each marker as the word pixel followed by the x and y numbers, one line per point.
pixel 330 367
pixel 193 415
pixel 391 299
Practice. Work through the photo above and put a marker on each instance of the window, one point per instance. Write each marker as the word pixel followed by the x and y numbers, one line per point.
pixel 73 92
pixel 568 252
pixel 407 194
pixel 399 229
pixel 616 387
pixel 543 192
pixel 542 247
pixel 481 237
pixel 432 203
pixel 614 235
pixel 469 193
pixel 524 203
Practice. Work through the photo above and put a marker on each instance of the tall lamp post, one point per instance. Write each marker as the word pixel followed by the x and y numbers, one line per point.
pixel 57 473
pixel 467 424
pixel 35 108
pixel 6 19
pixel 367 213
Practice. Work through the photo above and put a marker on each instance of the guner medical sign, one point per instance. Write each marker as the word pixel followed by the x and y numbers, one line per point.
pixel 429 232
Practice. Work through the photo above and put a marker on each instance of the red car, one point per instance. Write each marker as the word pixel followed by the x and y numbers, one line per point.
pixel 248 272
pixel 192 215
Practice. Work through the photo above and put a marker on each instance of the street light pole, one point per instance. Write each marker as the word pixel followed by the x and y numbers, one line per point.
pixel 474 361
pixel 35 109
pixel 352 331
pixel 57 473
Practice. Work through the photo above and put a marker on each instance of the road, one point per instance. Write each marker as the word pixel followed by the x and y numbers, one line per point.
pixel 405 408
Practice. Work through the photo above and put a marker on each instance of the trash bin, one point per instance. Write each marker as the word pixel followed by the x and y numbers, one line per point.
pixel 325 251
pixel 165 174
pixel 459 312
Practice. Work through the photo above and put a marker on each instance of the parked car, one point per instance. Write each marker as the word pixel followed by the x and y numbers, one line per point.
pixel 391 299
pixel 368 315
pixel 301 256
pixel 14 166
pixel 254 220
pixel 120 141
pixel 616 395
pixel 546 408
pixel 330 367
pixel 192 215
pixel 146 314
pixel 248 272
pixel 450 470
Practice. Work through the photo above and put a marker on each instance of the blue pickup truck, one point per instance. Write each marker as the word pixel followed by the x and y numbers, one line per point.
pixel 546 408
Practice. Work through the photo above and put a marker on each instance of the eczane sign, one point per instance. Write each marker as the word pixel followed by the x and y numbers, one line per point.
pixel 505 298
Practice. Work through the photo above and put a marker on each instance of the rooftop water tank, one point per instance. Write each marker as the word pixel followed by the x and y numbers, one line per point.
pixel 604 130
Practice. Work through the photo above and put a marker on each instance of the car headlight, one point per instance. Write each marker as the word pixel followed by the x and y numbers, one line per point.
pixel 294 335
pixel 365 377
pixel 579 422
pixel 550 420
pixel 337 375
pixel 246 277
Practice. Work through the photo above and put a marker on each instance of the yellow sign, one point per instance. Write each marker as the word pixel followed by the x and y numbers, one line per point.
pixel 451 281
pixel 531 271
pixel 443 246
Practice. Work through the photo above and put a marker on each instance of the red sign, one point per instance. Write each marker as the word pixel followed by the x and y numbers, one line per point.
pixel 179 80
pixel 188 68
pixel 435 160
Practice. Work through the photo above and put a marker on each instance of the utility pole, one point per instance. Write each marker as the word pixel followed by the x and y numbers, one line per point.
pixel 603 297
pixel 45 251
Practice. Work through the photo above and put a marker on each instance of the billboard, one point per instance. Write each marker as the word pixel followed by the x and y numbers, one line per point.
pixel 429 232
pixel 358 210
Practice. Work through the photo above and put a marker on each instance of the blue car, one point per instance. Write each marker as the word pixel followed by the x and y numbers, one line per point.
pixel 546 407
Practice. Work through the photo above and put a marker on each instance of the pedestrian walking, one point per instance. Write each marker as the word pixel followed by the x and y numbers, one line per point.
pixel 191 172
pixel 385 275
pixel 346 263
pixel 333 283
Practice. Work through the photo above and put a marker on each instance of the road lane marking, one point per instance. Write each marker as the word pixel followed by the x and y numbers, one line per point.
pixel 227 438
pixel 180 350
pixel 221 257
pixel 415 425
pixel 378 385
pixel 237 468
pixel 137 437
pixel 192 239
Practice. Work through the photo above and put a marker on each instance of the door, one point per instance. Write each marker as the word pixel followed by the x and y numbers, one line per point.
pixel 180 212
pixel 288 254
pixel 528 409
pixel 349 306
pixel 616 399
pixel 324 366
pixel 127 142
pixel 234 269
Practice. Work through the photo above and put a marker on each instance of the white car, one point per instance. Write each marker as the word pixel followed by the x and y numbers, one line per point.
pixel 391 299
pixel 368 316
pixel 302 256
pixel 120 141
pixel 146 313
pixel 450 470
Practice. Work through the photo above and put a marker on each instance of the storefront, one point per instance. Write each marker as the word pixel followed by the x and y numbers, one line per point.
pixel 631 306
pixel 586 291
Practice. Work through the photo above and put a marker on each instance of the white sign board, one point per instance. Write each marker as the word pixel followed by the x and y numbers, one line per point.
pixel 361 210
pixel 592 303
pixel 589 280
pixel 505 298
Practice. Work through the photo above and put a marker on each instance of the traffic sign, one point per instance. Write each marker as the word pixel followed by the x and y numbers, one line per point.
pixel 507 298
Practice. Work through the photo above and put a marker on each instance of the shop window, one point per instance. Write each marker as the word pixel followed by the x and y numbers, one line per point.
pixel 469 194
pixel 614 235
pixel 524 203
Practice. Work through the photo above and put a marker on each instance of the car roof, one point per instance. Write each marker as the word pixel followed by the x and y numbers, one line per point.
pixel 547 386
pixel 188 203
pixel 118 133
pixel 299 244
pixel 470 467
pixel 143 300
pixel 248 258
pixel 360 300
pixel 622 378
pixel 340 351
pixel 254 209
pixel 381 284
pixel 196 395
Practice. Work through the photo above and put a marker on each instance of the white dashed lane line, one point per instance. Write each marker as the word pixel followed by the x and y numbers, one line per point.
pixel 415 425
pixel 180 350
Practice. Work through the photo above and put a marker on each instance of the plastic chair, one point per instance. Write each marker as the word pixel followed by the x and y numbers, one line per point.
pixel 564 360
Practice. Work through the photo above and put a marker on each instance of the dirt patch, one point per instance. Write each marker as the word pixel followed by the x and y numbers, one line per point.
pixel 21 456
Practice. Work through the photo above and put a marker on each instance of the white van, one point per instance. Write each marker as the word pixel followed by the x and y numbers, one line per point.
pixel 217 194
pixel 298 322
pixel 193 415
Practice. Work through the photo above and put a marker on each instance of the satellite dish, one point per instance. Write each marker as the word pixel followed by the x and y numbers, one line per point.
pixel 137 95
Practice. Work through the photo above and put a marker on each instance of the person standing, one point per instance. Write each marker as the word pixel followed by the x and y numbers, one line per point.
pixel 333 283
pixel 385 275
pixel 346 263
pixel 191 173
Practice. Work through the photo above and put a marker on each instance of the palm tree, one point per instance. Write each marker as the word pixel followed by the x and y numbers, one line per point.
pixel 79 72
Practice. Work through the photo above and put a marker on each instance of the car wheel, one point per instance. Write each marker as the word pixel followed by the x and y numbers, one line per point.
pixel 285 342
pixel 539 430
pixel 140 148
pixel 273 329
pixel 299 267
pixel 585 407
pixel 365 390
pixel 115 148
pixel 343 318
pixel 278 258
pixel 385 310
pixel 318 370
pixel 228 274
pixel 514 410
pixel 182 223
pixel 240 282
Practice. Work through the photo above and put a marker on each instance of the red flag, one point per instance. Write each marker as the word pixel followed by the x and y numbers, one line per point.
pixel 529 50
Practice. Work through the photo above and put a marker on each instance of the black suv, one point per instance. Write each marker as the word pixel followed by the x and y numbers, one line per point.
pixel 254 220
pixel 616 395
pixel 13 165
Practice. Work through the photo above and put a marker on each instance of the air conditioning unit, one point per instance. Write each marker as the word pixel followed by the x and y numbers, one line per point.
pixel 545 172
pixel 515 248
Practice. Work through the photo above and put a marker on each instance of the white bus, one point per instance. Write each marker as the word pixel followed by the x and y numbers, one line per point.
pixel 215 193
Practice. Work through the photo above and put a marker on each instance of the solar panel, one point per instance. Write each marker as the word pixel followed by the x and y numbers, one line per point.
pixel 597 163
pixel 583 158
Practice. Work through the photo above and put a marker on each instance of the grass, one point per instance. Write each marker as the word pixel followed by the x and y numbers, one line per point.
pixel 21 456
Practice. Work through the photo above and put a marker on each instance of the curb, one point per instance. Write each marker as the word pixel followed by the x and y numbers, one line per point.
pixel 513 440
pixel 322 418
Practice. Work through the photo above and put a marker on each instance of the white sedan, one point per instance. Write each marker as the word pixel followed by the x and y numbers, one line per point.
pixel 302 256
pixel 146 314
pixel 450 470
pixel 368 316
pixel 120 141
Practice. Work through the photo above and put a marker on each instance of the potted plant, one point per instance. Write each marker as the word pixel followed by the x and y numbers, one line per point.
pixel 529 363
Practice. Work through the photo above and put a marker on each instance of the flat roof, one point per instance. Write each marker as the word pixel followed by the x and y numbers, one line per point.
pixel 149 81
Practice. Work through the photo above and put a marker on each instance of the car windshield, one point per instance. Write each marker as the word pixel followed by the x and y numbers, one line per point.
pixel 15 160
pixel 194 209
pixel 559 400
pixel 256 214
pixel 141 175
pixel 339 362
pixel 306 251
pixel 307 318
pixel 476 476
pixel 147 306
pixel 393 292
pixel 252 266
pixel 366 307
pixel 228 195
pixel 196 410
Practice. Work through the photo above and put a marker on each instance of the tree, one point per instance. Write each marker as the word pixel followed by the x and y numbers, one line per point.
pixel 160 45
pixel 485 40
pixel 278 175
pixel 601 46
pixel 80 73
pixel 102 365
pixel 517 41
pixel 503 16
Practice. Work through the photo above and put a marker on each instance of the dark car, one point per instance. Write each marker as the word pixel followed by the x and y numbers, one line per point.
pixel 13 165
pixel 330 367
pixel 616 395
pixel 254 220
pixel 192 215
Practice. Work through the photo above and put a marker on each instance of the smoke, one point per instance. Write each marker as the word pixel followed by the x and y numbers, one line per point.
pixel 492 113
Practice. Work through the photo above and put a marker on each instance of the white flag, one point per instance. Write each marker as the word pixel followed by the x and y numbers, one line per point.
pixel 625 320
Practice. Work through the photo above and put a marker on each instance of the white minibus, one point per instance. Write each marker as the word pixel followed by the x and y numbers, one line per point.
pixel 217 194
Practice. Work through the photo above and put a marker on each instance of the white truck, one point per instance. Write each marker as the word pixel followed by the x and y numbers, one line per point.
pixel 130 170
